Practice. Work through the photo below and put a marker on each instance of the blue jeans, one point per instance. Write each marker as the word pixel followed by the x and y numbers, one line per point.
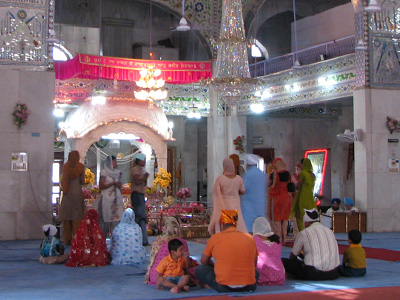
pixel 205 274
pixel 352 272
pixel 139 207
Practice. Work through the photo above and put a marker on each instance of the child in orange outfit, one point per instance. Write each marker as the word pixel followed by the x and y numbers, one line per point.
pixel 172 269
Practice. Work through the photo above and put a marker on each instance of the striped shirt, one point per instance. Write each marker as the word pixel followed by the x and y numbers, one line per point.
pixel 320 247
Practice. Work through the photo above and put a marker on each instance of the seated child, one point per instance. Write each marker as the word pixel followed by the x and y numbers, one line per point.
pixel 51 249
pixel 172 269
pixel 354 264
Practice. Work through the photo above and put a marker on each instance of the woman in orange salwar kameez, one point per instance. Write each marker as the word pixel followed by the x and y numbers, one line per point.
pixel 280 199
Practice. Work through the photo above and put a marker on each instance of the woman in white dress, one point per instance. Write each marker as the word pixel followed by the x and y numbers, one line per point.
pixel 110 205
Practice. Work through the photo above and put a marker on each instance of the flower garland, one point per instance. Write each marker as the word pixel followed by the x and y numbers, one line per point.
pixel 392 124
pixel 238 142
pixel 163 178
pixel 89 177
pixel 21 114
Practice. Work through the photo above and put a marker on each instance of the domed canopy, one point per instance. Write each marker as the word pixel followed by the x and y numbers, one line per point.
pixel 88 117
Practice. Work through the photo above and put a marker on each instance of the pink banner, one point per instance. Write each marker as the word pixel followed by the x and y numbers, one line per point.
pixel 173 72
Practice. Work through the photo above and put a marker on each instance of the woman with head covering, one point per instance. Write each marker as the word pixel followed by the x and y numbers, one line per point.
pixel 89 247
pixel 304 198
pixel 280 199
pixel 72 204
pixel 159 248
pixel 226 196
pixel 110 204
pixel 126 242
pixel 269 263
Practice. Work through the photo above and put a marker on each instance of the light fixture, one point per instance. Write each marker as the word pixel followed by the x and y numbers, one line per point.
pixel 170 124
pixel 360 44
pixel 257 108
pixel 194 115
pixel 120 136
pixel 52 37
pixel 98 97
pixel 151 87
pixel 255 51
pixel 58 112
pixel 373 6
pixel 183 24
pixel 296 63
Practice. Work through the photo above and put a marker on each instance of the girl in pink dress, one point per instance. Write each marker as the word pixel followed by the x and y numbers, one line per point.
pixel 226 195
pixel 269 263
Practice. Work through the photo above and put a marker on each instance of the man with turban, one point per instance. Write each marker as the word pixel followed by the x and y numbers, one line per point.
pixel 235 254
pixel 327 217
pixel 349 206
pixel 255 184
pixel 138 185
pixel 321 254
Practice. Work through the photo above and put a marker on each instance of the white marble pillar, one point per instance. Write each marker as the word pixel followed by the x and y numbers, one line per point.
pixel 376 190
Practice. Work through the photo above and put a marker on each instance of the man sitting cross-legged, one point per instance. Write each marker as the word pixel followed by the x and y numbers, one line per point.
pixel 321 254
pixel 235 254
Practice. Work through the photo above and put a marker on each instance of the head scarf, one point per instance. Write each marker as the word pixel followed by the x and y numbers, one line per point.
pixel 229 217
pixel 279 165
pixel 229 167
pixel 348 201
pixel 311 215
pixel 139 156
pixel 128 217
pixel 126 242
pixel 307 165
pixel 335 200
pixel 109 168
pixel 235 159
pixel 89 247
pixel 171 226
pixel 262 227
pixel 252 159
pixel 52 231
pixel 72 169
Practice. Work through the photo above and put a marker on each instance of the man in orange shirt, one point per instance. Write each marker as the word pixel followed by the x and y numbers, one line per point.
pixel 235 254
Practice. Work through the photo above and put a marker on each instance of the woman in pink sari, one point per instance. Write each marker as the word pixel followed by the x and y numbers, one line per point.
pixel 226 195
pixel 269 263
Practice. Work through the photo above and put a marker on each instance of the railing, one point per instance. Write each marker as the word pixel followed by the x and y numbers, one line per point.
pixel 306 56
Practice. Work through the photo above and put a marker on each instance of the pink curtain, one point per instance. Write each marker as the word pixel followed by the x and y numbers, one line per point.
pixel 173 72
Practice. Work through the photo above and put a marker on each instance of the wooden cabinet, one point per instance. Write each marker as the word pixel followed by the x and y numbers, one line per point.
pixel 343 222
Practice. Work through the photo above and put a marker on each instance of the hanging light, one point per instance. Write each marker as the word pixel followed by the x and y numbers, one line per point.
pixel 255 51
pixel 257 108
pixel 151 87
pixel 98 97
pixel 373 6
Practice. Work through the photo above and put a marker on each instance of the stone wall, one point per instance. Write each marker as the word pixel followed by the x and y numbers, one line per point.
pixel 25 199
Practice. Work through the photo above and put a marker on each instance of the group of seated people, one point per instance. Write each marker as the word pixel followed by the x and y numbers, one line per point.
pixel 348 208
pixel 232 261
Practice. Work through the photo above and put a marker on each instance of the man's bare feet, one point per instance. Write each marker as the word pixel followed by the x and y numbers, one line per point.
pixel 174 290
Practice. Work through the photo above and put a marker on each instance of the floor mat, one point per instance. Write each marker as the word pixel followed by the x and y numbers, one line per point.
pixel 347 294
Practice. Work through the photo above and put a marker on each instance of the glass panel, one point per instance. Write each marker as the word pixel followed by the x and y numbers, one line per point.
pixel 56 172
pixel 56 189
pixel 54 198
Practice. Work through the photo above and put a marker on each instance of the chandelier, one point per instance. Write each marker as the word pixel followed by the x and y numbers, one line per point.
pixel 151 87
pixel 233 80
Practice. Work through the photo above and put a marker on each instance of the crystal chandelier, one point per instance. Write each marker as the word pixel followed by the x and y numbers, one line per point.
pixel 151 87
pixel 232 80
